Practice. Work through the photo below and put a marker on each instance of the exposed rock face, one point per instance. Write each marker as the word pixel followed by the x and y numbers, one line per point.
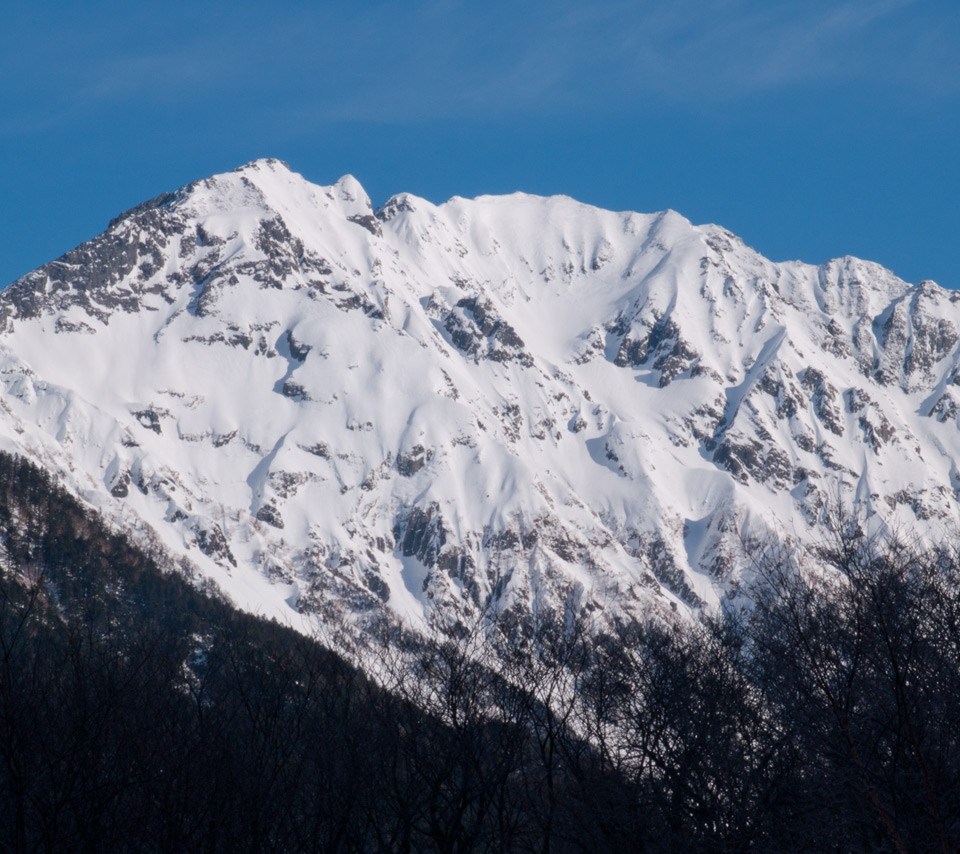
pixel 504 403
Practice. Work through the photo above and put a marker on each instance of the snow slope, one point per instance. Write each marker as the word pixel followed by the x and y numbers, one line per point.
pixel 503 402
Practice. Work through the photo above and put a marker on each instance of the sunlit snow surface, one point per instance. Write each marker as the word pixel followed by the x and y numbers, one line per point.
pixel 493 403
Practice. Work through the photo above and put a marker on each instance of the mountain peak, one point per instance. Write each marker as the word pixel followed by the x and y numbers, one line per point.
pixel 500 403
pixel 271 164
pixel 348 189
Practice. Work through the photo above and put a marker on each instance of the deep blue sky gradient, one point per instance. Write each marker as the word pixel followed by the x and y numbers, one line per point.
pixel 812 129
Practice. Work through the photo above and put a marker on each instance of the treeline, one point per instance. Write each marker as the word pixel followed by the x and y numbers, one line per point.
pixel 823 718
pixel 137 714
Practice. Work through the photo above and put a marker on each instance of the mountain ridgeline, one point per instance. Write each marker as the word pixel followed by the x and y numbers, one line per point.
pixel 340 413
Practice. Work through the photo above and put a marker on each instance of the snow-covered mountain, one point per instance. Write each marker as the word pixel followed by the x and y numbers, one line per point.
pixel 327 408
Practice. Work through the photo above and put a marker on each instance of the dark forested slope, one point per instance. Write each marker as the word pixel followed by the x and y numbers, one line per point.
pixel 140 714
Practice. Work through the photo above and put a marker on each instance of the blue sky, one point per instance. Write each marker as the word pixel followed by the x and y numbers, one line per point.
pixel 812 129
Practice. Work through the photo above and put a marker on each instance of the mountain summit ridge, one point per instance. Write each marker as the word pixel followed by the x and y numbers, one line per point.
pixel 500 404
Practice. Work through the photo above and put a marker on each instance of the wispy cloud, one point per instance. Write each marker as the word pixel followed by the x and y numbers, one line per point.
pixel 391 61
pixel 728 49
pixel 451 59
